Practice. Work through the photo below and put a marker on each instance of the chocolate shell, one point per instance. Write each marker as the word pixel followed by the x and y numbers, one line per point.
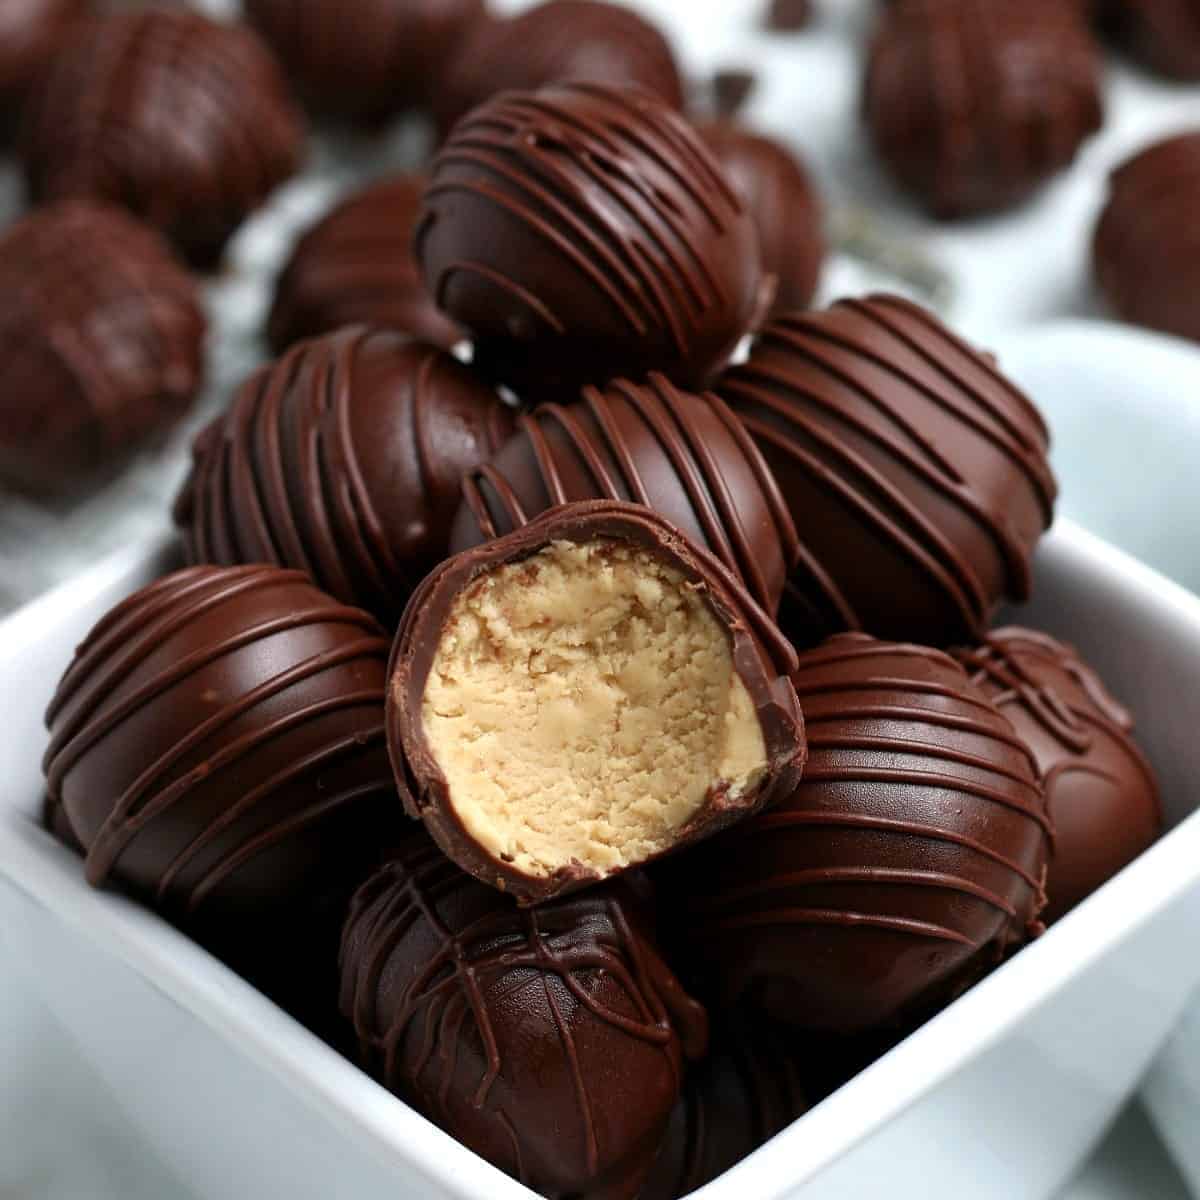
pixel 343 459
pixel 1164 35
pixel 973 105
pixel 355 267
pixel 683 455
pixel 549 1041
pixel 552 42
pixel 783 203
pixel 1101 793
pixel 31 33
pixel 101 344
pixel 584 232
pixel 185 121
pixel 910 860
pixel 368 60
pixel 915 471
pixel 585 695
pixel 1145 254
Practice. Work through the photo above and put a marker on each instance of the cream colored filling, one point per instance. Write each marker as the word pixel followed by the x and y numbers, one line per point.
pixel 583 706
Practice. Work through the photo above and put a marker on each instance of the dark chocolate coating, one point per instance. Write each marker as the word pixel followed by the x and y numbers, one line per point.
pixel 184 121
pixel 584 232
pixel 1101 793
pixel 909 861
pixel 31 33
pixel 101 344
pixel 364 61
pixel 748 1089
pixel 915 471
pixel 55 821
pixel 355 267
pixel 342 459
pixel 974 104
pixel 786 16
pixel 1145 253
pixel 548 1040
pixel 587 40
pixel 1164 35
pixel 761 655
pixel 681 454
pixel 783 203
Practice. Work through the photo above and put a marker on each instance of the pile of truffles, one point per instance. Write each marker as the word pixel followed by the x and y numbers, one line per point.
pixel 573 716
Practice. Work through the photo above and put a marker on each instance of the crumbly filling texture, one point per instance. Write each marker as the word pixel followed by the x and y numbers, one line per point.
pixel 583 706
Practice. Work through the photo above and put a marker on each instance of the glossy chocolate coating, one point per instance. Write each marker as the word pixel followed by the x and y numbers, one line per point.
pixel 908 862
pixel 549 1040
pixel 761 655
pixel 586 40
pixel 185 121
pixel 915 471
pixel 31 32
pixel 783 203
pixel 745 1091
pixel 1101 793
pixel 1145 253
pixel 101 344
pixel 365 61
pixel 584 232
pixel 355 267
pixel 681 454
pixel 342 459
pixel 1164 35
pixel 973 104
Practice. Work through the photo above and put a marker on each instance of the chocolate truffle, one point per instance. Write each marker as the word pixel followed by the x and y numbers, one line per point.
pixel 1145 254
pixel 54 820
pixel 342 459
pixel 783 203
pixel 584 695
pixel 585 40
pixel 355 267
pixel 31 32
pixel 548 1040
pixel 365 61
pixel 1162 34
pixel 909 861
pixel 101 344
pixel 741 1095
pixel 683 455
pixel 584 232
pixel 974 104
pixel 916 472
pixel 1101 792
pixel 185 121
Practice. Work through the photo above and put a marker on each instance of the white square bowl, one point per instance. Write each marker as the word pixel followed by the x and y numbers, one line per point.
pixel 1000 1096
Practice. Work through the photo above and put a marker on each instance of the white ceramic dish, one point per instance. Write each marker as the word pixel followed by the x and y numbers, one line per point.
pixel 1001 1096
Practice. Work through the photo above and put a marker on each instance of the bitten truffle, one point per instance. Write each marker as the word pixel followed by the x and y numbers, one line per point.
pixel 783 204
pixel 585 40
pixel 683 455
pixel 910 860
pixel 1101 793
pixel 184 121
pixel 31 33
pixel 1145 254
pixel 916 472
pixel 101 344
pixel 584 232
pixel 585 695
pixel 355 267
pixel 549 1041
pixel 342 459
pixel 368 60
pixel 973 104
pixel 1162 34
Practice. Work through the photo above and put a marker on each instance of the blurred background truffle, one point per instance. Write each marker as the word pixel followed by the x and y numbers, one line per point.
pixel 1164 35
pixel 31 33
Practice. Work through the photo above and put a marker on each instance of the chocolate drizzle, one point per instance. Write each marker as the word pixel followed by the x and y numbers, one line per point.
pixel 547 1040
pixel 582 232
pixel 185 121
pixel 916 471
pixel 684 455
pixel 343 459
pixel 912 855
pixel 973 104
